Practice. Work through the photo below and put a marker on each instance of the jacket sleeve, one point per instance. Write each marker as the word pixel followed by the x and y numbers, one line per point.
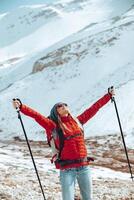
pixel 45 122
pixel 91 111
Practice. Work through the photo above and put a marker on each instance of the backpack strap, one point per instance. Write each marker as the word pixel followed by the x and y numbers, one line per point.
pixel 72 136
pixel 61 141
pixel 62 137
pixel 68 162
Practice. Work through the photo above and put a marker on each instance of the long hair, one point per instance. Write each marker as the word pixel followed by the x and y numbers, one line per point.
pixel 64 128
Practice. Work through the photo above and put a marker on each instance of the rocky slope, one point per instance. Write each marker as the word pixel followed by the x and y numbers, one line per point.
pixel 18 179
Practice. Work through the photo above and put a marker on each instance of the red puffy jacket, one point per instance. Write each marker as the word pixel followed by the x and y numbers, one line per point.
pixel 74 148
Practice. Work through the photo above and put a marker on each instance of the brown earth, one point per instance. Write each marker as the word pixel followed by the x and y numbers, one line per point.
pixel 19 182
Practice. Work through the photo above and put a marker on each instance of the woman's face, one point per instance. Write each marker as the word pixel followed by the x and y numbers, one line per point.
pixel 63 109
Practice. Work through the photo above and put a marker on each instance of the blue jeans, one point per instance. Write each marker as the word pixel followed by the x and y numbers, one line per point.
pixel 68 179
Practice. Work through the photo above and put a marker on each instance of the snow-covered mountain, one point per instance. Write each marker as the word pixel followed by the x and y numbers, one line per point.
pixel 68 51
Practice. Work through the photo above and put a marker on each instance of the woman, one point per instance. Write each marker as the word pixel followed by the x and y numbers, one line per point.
pixel 72 158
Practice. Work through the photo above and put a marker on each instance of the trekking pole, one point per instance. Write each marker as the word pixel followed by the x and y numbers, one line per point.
pixel 122 135
pixel 19 117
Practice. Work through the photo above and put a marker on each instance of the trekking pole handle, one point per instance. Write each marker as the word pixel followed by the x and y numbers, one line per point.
pixel 110 90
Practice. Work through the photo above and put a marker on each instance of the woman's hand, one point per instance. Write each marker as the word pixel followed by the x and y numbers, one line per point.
pixel 111 91
pixel 16 103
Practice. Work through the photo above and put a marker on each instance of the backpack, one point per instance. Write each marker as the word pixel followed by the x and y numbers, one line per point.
pixel 57 139
pixel 56 142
